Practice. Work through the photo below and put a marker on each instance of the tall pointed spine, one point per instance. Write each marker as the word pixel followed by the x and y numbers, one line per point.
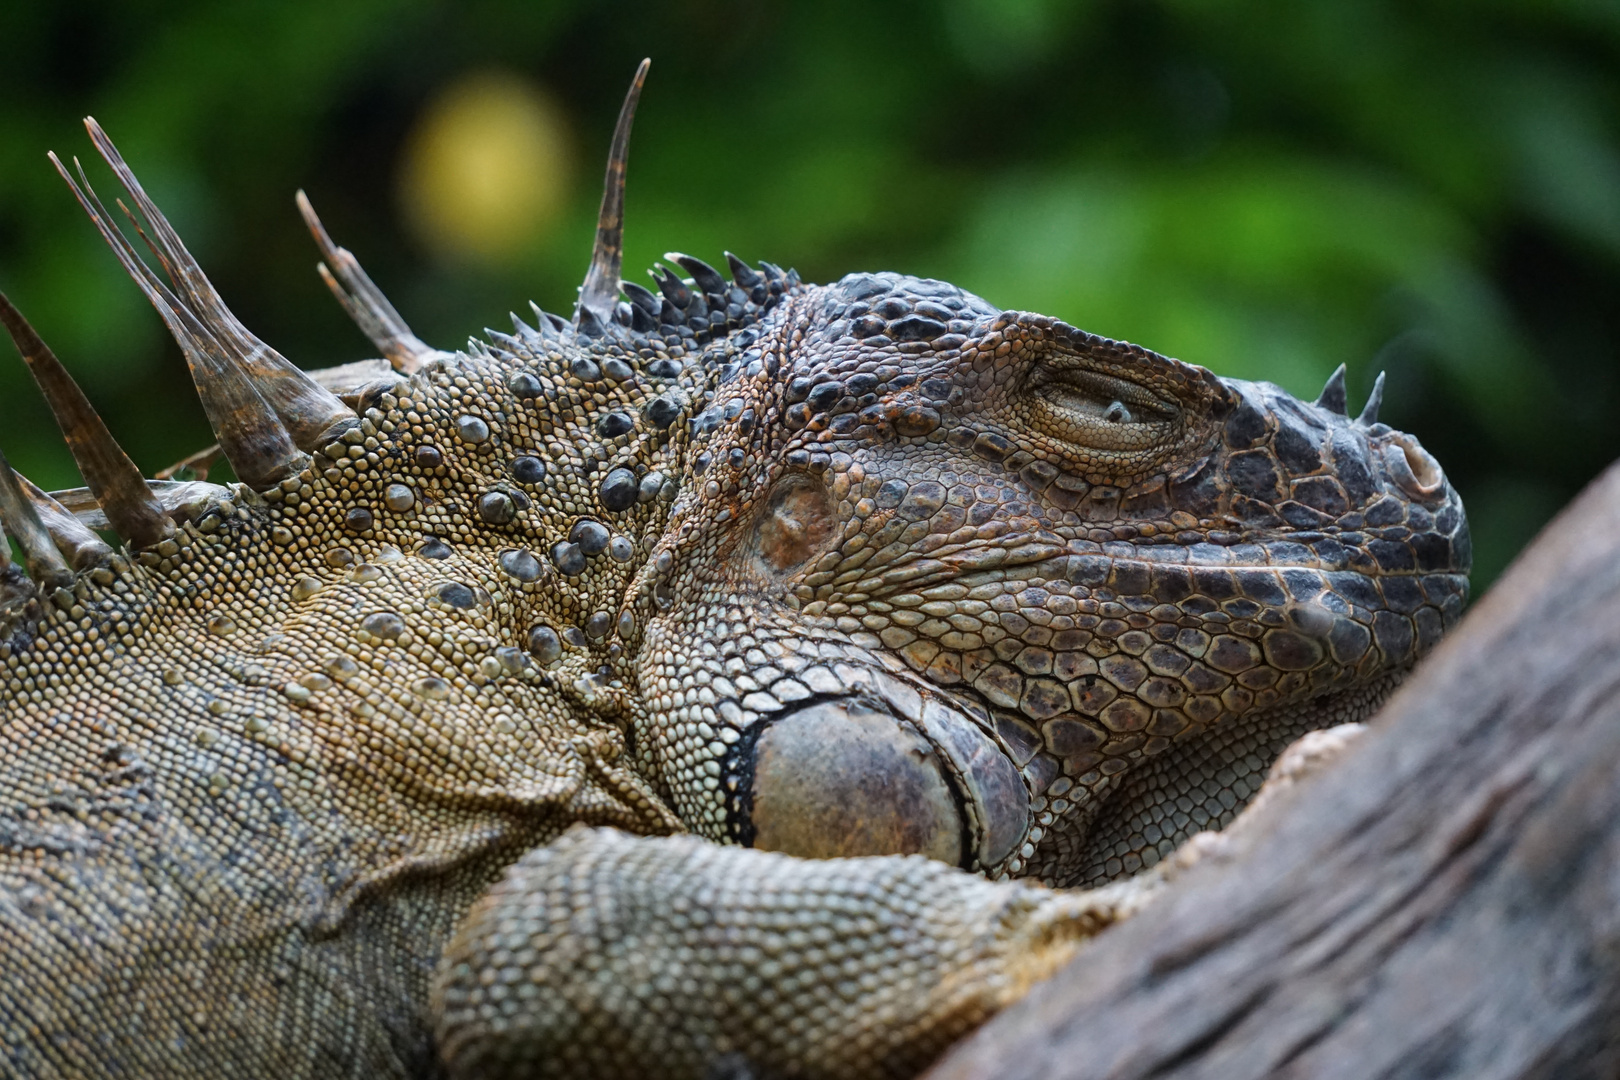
pixel 249 431
pixel 109 473
pixel 363 301
pixel 45 564
pixel 313 416
pixel 600 293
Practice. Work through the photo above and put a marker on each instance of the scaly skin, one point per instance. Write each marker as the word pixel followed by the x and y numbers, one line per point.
pixel 844 570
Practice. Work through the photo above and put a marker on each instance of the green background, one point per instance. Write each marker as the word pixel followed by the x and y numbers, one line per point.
pixel 1270 189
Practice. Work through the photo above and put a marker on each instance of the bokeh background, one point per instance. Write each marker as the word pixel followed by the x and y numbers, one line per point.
pixel 1271 188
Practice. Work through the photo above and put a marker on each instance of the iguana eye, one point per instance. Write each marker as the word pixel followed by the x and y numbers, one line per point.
pixel 1090 409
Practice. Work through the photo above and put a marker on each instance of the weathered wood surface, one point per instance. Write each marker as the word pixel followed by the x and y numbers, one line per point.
pixel 1442 902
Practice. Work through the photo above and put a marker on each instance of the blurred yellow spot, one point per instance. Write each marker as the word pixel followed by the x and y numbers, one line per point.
pixel 487 168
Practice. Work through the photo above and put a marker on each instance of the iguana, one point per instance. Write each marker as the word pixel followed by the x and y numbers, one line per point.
pixel 519 710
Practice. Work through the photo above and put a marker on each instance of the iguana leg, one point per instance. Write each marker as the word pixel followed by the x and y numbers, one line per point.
pixel 604 954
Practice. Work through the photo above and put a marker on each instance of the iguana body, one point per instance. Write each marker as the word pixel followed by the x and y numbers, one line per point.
pixel 870 567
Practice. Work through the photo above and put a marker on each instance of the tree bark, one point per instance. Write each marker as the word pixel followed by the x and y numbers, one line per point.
pixel 1443 901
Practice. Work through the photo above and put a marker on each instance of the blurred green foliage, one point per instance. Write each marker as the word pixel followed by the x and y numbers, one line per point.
pixel 1430 187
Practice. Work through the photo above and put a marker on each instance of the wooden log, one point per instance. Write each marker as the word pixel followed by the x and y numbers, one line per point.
pixel 1443 901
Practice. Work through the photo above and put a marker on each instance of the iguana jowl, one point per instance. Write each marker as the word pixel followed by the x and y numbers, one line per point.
pixel 864 568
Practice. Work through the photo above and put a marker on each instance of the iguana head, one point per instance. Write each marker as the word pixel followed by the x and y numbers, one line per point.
pixel 844 569
pixel 947 578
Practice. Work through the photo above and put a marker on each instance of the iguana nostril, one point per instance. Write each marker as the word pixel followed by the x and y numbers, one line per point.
pixel 1412 468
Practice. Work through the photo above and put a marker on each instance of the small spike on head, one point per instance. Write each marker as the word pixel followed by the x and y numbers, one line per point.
pixel 600 293
pixel 363 301
pixel 1375 401
pixel 742 273
pixel 112 478
pixel 706 277
pixel 587 323
pixel 1332 398
pixel 18 517
pixel 673 288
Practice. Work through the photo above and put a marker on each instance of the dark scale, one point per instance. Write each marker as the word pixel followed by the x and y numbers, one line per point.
pixel 619 489
pixel 457 595
pixel 567 558
pixel 524 385
pixel 591 536
pixel 497 508
pixel 521 565
pixel 614 424
pixel 662 411
pixel 528 470
pixel 434 548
